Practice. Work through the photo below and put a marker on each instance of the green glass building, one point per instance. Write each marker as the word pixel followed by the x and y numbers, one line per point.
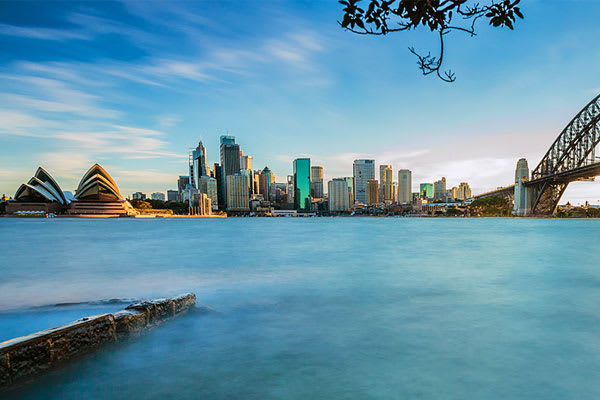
pixel 302 184
pixel 426 191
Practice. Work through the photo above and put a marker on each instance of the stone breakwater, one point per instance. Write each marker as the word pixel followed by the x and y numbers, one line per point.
pixel 32 354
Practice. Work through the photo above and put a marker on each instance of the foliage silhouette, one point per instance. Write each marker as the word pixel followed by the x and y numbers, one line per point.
pixel 442 16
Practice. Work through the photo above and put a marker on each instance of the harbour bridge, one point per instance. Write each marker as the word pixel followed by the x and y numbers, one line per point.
pixel 572 157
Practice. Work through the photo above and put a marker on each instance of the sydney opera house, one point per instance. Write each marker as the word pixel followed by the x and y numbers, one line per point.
pixel 97 195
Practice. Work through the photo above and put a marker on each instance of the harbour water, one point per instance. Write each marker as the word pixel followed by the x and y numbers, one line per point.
pixel 316 308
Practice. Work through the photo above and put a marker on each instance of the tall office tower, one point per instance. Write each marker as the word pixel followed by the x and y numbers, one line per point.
pixel 426 191
pixel 238 198
pixel 404 186
pixel 256 182
pixel 396 192
pixel 245 161
pixel 386 185
pixel 339 198
pixel 439 189
pixel 172 195
pixel 220 190
pixel 182 182
pixel 264 183
pixel 230 161
pixel 350 182
pixel 464 191
pixel 198 166
pixel 208 186
pixel 302 184
pixel 364 170
pixel 290 189
pixel 316 182
pixel 158 196
pixel 372 192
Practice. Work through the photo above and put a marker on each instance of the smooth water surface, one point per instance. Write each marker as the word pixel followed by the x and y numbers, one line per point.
pixel 319 308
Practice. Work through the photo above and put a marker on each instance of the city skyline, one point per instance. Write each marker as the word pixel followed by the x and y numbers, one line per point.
pixel 138 105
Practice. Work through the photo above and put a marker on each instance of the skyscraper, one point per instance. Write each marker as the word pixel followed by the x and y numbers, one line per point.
pixel 290 189
pixel 426 191
pixel 198 165
pixel 264 183
pixel 316 182
pixel 208 186
pixel 245 161
pixel 339 198
pixel 372 192
pixel 238 197
pixel 302 184
pixel 439 189
pixel 182 182
pixel 386 179
pixel 364 170
pixel 350 182
pixel 220 189
pixel 230 160
pixel 464 191
pixel 404 186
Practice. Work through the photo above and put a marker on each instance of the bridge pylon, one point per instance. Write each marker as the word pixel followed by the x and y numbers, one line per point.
pixel 523 194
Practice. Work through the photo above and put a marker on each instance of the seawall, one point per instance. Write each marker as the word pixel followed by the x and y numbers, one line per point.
pixel 32 354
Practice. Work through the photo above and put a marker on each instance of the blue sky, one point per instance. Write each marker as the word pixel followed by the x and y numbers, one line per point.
pixel 134 84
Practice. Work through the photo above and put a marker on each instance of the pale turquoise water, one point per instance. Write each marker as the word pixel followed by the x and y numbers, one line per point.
pixel 319 308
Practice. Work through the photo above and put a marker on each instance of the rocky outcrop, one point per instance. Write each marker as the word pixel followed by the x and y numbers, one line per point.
pixel 35 353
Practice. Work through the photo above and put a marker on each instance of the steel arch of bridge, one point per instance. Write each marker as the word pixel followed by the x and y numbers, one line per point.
pixel 573 150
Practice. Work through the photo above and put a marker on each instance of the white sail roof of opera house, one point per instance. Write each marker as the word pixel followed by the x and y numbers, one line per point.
pixel 97 184
pixel 41 187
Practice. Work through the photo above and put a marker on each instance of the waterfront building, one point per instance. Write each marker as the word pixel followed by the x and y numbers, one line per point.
pixel 182 182
pixel 302 184
pixel 338 195
pixel 396 192
pixel 264 183
pixel 220 190
pixel 230 161
pixel 158 196
pixel 404 186
pixel 439 189
pixel 350 182
pixel 453 193
pixel 316 182
pixel 198 165
pixel 426 190
pixel 372 192
pixel 363 171
pixel 238 197
pixel 97 193
pixel 41 193
pixel 386 188
pixel 464 191
pixel 138 196
pixel 208 186
pixel 245 162
pixel 290 189
pixel 172 195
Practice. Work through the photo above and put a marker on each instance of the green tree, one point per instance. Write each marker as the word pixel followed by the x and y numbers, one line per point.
pixel 441 16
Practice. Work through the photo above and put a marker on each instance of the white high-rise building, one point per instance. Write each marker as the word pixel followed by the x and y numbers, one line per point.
pixel 339 197
pixel 363 171
pixel 404 186
pixel 439 189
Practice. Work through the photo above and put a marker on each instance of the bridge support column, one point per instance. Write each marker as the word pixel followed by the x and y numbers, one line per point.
pixel 522 203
